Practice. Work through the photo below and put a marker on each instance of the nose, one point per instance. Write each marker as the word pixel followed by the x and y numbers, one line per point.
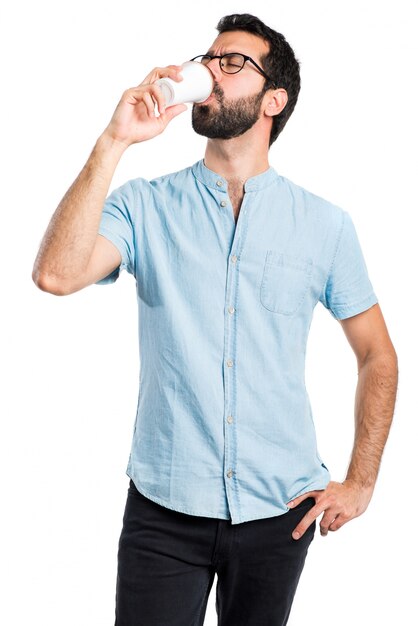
pixel 214 67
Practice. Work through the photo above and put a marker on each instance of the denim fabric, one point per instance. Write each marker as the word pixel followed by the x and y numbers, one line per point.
pixel 224 425
pixel 167 563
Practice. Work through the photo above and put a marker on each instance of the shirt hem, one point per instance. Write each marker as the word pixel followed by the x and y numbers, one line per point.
pixel 113 238
pixel 165 504
pixel 313 487
pixel 239 520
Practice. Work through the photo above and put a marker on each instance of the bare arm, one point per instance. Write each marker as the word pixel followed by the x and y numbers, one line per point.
pixel 375 394
pixel 72 254
pixel 374 407
pixel 69 240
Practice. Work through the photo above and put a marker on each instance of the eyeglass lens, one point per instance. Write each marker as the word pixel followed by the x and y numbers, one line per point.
pixel 231 63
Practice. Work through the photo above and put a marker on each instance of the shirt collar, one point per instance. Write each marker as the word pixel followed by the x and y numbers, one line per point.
pixel 214 180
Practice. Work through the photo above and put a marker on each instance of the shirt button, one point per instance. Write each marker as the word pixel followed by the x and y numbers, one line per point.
pixel 233 258
pixel 230 473
pixel 223 203
pixel 219 183
pixel 231 309
pixel 229 419
pixel 230 362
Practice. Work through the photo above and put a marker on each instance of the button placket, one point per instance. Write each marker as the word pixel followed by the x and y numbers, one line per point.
pixel 223 202
pixel 231 295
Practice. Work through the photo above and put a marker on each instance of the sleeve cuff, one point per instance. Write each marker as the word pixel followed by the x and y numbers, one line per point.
pixel 348 310
pixel 111 278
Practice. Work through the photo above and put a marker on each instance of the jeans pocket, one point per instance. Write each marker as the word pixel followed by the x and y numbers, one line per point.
pixel 301 510
pixel 304 507
pixel 285 282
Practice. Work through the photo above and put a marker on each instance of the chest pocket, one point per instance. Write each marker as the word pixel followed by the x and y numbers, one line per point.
pixel 285 282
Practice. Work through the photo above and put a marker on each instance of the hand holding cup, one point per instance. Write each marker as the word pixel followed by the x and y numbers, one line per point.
pixel 134 119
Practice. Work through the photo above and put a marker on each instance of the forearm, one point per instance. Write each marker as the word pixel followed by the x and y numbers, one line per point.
pixel 374 407
pixel 69 240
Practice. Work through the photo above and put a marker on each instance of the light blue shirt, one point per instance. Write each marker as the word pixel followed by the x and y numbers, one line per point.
pixel 224 426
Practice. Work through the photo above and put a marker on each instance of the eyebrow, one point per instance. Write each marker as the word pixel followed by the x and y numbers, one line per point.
pixel 212 51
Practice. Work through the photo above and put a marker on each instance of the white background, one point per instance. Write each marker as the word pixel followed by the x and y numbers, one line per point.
pixel 70 364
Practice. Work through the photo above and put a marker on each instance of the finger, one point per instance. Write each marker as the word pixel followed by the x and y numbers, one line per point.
pixel 310 494
pixel 340 520
pixel 173 111
pixel 135 95
pixel 177 73
pixel 157 93
pixel 326 521
pixel 172 71
pixel 149 103
pixel 304 524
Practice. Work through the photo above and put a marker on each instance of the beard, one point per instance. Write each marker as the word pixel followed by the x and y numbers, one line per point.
pixel 231 118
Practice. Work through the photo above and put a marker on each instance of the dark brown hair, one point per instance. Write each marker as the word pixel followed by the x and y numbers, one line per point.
pixel 279 63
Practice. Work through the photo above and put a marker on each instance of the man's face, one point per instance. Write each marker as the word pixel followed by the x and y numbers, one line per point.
pixel 235 103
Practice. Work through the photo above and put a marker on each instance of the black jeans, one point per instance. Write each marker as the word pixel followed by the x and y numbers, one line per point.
pixel 167 562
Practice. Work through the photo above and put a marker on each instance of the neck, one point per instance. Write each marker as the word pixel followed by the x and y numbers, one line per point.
pixel 237 159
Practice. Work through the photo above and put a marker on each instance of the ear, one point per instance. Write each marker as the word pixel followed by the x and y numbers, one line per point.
pixel 276 102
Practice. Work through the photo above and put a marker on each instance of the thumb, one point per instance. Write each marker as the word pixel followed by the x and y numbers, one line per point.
pixel 173 111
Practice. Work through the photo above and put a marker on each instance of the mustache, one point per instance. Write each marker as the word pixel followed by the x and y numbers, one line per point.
pixel 218 91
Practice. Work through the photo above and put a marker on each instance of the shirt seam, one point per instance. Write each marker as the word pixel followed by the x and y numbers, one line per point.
pixel 323 290
pixel 264 185
pixel 337 307
pixel 134 228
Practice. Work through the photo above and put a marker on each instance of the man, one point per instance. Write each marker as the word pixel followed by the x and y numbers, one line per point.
pixel 230 259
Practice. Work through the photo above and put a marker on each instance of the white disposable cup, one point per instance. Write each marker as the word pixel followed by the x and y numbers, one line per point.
pixel 196 86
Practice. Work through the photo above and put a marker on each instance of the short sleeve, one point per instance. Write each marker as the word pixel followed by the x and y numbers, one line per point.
pixel 117 225
pixel 348 289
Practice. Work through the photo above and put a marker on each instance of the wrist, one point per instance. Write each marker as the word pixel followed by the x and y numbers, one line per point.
pixel 110 145
pixel 361 485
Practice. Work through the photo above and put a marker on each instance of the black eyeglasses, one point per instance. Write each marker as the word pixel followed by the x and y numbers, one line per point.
pixel 231 63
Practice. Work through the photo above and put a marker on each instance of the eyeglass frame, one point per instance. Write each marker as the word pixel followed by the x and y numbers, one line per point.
pixel 246 58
